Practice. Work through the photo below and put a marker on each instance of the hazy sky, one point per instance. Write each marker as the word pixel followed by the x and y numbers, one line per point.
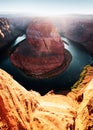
pixel 47 7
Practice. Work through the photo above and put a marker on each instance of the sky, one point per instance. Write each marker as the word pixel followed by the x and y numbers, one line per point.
pixel 47 7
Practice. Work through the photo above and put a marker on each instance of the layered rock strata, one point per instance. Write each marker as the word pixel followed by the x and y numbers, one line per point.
pixel 42 52
pixel 28 110
pixel 8 33
pixel 84 96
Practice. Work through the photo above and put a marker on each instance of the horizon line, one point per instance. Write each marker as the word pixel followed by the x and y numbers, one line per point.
pixel 33 14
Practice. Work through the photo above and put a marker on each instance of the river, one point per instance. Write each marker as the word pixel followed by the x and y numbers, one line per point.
pixel 80 58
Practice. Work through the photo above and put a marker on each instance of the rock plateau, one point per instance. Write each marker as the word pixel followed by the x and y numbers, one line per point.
pixel 42 54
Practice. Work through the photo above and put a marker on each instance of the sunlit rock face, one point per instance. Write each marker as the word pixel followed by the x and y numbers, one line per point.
pixel 42 52
pixel 21 109
pixel 84 120
pixel 7 33
pixel 84 96
pixel 27 110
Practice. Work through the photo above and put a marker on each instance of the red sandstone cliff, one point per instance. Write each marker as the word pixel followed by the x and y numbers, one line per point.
pixel 42 54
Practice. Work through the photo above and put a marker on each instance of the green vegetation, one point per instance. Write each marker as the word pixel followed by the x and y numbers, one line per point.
pixel 82 76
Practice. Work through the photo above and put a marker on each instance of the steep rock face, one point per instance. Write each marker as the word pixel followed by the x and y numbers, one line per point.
pixel 77 28
pixel 84 96
pixel 42 52
pixel 79 87
pixel 24 110
pixel 84 120
pixel 7 33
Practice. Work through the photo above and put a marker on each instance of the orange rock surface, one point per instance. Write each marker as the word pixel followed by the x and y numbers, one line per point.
pixel 28 110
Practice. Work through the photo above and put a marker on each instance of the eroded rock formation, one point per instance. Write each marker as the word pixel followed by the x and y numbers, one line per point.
pixel 7 33
pixel 28 110
pixel 42 54
pixel 78 28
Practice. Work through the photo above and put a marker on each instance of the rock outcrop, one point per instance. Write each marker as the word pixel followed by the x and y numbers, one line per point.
pixel 5 32
pixel 28 110
pixel 83 94
pixel 8 33
pixel 84 120
pixel 78 28
pixel 42 54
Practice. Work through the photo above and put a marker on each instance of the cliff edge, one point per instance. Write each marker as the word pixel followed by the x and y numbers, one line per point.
pixel 28 110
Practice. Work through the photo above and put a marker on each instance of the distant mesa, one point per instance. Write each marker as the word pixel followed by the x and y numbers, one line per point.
pixel 77 28
pixel 42 54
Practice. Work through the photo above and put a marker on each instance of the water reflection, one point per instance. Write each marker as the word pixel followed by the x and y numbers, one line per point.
pixel 19 39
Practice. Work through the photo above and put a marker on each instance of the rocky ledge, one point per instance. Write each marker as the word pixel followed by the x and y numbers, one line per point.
pixel 28 110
